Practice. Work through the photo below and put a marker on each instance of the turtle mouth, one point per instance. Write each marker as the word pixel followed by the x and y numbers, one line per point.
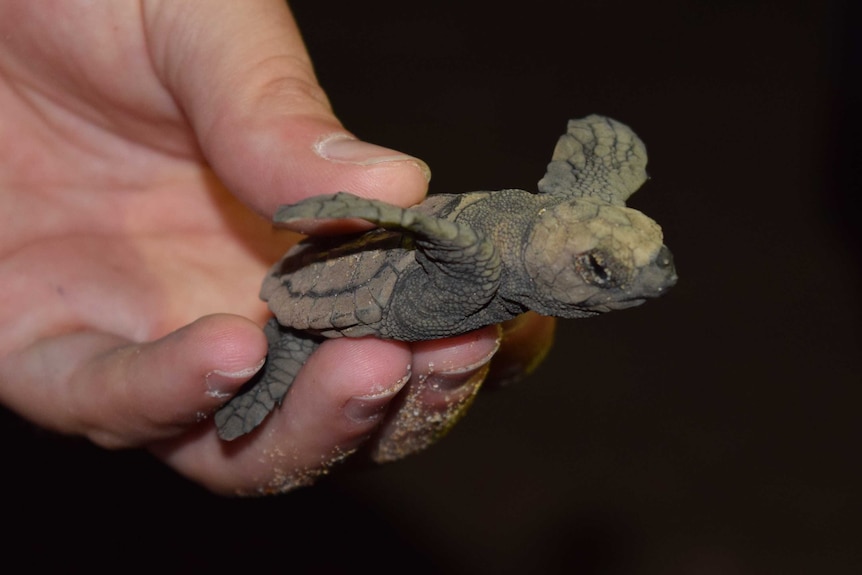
pixel 627 303
pixel 619 304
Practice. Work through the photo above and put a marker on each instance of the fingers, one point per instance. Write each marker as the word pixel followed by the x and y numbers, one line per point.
pixel 121 394
pixel 262 120
pixel 337 401
pixel 161 394
pixel 398 398
pixel 447 375
pixel 351 391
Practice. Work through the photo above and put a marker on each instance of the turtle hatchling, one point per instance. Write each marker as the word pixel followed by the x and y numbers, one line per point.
pixel 458 262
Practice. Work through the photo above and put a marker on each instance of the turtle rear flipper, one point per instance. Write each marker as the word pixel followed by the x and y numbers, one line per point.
pixel 597 157
pixel 288 351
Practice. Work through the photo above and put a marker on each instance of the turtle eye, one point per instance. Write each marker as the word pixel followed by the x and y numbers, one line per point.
pixel 592 267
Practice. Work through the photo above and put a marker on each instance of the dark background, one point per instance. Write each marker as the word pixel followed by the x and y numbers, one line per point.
pixel 713 431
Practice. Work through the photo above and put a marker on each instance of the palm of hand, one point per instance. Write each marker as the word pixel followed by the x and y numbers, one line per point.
pixel 134 254
pixel 116 230
pixel 115 220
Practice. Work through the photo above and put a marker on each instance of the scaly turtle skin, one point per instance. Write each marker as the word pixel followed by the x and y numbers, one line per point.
pixel 458 262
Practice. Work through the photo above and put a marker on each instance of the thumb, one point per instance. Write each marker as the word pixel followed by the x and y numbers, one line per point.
pixel 247 85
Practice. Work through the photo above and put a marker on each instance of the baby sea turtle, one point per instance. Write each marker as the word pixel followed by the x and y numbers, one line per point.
pixel 458 262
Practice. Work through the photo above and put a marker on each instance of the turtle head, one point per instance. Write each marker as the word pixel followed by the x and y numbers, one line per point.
pixel 586 257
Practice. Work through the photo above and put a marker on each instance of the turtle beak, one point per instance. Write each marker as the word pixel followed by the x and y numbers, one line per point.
pixel 658 277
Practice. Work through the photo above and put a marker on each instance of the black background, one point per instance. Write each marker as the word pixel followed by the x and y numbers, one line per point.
pixel 713 431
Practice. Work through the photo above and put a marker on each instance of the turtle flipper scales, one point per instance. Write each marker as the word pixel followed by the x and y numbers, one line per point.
pixel 454 247
pixel 597 157
pixel 288 351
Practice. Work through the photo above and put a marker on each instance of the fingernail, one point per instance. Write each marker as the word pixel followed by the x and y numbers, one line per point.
pixel 222 384
pixel 450 379
pixel 340 147
pixel 363 408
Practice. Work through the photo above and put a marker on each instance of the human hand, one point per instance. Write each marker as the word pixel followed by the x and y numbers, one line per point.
pixel 129 270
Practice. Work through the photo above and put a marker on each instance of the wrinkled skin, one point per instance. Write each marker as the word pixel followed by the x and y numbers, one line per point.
pixel 137 184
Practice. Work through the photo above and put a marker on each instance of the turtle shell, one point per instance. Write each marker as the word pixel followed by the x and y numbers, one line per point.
pixel 337 286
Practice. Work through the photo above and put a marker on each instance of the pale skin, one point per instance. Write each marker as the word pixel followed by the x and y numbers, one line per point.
pixel 144 145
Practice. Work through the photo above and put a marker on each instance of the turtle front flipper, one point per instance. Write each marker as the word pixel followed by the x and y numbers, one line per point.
pixel 597 157
pixel 456 248
pixel 288 351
